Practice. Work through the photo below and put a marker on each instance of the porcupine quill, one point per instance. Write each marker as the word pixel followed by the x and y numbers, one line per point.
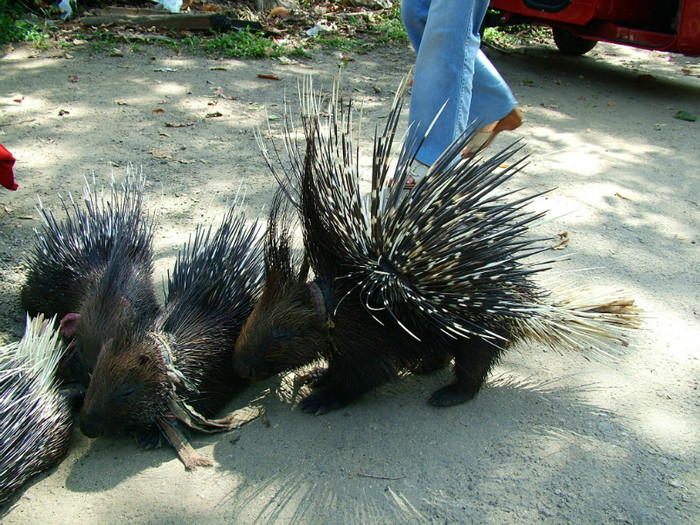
pixel 36 420
pixel 178 371
pixel 406 280
pixel 92 270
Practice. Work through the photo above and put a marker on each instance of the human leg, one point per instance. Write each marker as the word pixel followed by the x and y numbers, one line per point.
pixel 445 64
pixel 493 104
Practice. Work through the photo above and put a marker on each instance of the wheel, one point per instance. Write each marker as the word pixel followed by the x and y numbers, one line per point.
pixel 570 44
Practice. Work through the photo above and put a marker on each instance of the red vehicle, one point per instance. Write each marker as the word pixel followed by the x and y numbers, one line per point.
pixel 662 25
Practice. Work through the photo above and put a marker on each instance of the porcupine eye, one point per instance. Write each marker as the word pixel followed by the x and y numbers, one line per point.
pixel 124 393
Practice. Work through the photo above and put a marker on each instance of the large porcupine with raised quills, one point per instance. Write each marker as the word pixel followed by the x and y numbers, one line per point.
pixel 93 270
pixel 179 368
pixel 36 417
pixel 404 281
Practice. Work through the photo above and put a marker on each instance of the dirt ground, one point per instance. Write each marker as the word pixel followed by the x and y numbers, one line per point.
pixel 552 438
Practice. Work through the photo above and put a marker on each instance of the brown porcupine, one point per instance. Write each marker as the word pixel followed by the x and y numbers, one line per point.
pixel 179 367
pixel 93 271
pixel 36 417
pixel 404 281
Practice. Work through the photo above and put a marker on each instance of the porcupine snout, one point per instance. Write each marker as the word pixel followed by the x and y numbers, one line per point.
pixel 245 368
pixel 92 424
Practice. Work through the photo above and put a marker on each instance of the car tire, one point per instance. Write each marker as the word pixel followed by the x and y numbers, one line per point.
pixel 570 44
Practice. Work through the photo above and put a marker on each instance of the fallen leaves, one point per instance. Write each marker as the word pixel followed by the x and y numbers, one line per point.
pixel 269 77
pixel 159 154
pixel 684 115
pixel 181 125
pixel 219 92
pixel 563 241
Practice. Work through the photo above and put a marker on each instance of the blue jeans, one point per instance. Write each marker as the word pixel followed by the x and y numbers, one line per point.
pixel 451 68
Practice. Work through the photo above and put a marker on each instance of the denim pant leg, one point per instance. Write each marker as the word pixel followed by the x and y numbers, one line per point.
pixel 492 99
pixel 445 34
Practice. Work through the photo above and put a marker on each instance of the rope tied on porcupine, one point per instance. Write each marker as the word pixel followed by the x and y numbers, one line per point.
pixel 184 412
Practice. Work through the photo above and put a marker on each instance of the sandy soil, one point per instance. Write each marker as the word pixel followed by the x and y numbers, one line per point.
pixel 553 438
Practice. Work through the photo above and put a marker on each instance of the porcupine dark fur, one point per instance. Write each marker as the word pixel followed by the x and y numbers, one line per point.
pixel 93 270
pixel 36 417
pixel 409 281
pixel 214 285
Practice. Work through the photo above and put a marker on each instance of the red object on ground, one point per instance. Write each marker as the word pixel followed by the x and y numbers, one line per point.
pixel 7 177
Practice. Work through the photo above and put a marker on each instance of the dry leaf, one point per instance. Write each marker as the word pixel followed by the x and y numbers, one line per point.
pixel 269 77
pixel 158 110
pixel 215 114
pixel 183 125
pixel 74 78
pixel 279 11
pixel 18 98
pixel 62 112
pixel 563 241
pixel 159 155
pixel 618 194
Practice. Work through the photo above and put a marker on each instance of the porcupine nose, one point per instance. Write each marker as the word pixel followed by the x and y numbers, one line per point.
pixel 243 369
pixel 90 425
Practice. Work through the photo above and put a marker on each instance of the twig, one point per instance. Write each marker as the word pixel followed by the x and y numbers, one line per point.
pixel 378 477
pixel 18 122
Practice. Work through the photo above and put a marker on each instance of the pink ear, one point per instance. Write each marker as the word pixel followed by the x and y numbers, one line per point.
pixel 68 325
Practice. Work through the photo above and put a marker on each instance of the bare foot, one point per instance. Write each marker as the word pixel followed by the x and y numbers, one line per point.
pixel 485 135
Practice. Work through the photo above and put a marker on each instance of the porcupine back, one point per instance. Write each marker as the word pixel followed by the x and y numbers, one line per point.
pixel 69 254
pixel 36 422
pixel 93 270
pixel 213 287
pixel 413 278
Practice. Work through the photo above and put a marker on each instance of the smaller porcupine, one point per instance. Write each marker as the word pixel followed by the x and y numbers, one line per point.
pixel 35 415
pixel 179 368
pixel 404 281
pixel 96 265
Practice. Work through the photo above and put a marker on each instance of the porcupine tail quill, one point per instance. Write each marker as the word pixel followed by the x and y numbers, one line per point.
pixel 36 420
pixel 453 253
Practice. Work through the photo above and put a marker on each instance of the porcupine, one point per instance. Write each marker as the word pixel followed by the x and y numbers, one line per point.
pixel 93 271
pixel 405 281
pixel 36 417
pixel 180 367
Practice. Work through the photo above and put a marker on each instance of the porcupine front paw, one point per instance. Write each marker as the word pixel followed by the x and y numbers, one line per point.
pixel 450 395
pixel 313 378
pixel 151 438
pixel 321 401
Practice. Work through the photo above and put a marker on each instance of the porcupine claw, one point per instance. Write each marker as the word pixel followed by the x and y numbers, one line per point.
pixel 320 401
